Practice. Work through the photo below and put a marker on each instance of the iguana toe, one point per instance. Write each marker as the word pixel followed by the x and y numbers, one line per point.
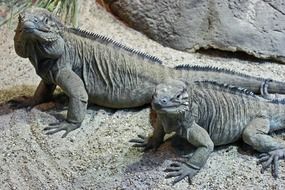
pixel 21 102
pixel 63 126
pixel 142 142
pixel 271 159
pixel 180 170
pixel 145 142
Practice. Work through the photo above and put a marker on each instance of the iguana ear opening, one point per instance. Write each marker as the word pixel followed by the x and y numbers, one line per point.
pixel 55 22
pixel 184 81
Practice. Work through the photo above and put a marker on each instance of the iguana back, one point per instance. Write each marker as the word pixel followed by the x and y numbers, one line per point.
pixel 114 75
pixel 224 111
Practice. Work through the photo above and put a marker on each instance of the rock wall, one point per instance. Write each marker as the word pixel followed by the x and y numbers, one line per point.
pixel 256 27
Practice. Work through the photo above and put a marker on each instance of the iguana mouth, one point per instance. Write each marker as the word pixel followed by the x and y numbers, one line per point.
pixel 42 33
pixel 173 109
pixel 29 26
pixel 28 30
pixel 31 29
pixel 43 30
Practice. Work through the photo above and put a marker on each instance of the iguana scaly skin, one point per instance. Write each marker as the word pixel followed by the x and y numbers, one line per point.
pixel 93 68
pixel 208 114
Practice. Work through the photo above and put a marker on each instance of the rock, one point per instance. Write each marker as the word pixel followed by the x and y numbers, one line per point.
pixel 256 27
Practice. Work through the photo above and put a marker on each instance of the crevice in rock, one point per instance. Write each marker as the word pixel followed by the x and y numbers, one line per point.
pixel 275 8
pixel 241 55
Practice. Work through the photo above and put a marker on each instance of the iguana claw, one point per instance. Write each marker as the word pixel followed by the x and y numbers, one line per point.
pixel 22 102
pixel 145 142
pixel 271 158
pixel 180 170
pixel 61 126
pixel 141 141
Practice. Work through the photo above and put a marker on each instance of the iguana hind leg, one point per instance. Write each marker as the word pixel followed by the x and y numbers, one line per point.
pixel 272 149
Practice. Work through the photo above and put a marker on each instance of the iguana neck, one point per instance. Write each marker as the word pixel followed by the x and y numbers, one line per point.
pixel 172 122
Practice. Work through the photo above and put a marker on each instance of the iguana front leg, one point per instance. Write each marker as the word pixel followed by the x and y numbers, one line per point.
pixel 255 134
pixel 74 88
pixel 153 141
pixel 42 94
pixel 200 138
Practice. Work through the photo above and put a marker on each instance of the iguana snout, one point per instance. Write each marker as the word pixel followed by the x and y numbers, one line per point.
pixel 29 23
pixel 171 97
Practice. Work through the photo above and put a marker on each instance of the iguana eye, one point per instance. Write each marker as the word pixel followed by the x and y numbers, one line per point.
pixel 178 96
pixel 46 20
pixel 154 95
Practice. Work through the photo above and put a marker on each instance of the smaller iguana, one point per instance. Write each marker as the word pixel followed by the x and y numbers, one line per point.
pixel 207 114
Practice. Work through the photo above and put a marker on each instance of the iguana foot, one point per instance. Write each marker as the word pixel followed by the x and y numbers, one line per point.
pixel 264 91
pixel 22 102
pixel 61 126
pixel 181 170
pixel 145 142
pixel 271 158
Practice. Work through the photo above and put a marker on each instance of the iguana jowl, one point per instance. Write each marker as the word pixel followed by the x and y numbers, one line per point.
pixel 92 68
pixel 208 114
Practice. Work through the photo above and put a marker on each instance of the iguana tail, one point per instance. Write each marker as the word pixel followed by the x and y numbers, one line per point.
pixel 220 75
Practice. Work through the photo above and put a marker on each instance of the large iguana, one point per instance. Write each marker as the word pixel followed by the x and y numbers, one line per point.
pixel 92 68
pixel 207 114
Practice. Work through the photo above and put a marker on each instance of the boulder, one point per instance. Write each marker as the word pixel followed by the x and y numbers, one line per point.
pixel 256 27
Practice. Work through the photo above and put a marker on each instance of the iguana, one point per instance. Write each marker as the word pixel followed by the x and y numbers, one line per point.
pixel 209 114
pixel 92 68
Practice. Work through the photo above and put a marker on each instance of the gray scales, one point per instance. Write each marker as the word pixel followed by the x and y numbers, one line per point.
pixel 208 114
pixel 92 68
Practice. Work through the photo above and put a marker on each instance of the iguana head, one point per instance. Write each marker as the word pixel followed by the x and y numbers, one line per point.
pixel 38 26
pixel 171 97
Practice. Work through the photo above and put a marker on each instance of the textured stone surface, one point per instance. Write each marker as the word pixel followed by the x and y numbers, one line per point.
pixel 256 27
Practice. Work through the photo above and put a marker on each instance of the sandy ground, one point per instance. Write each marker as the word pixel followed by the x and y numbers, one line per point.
pixel 98 155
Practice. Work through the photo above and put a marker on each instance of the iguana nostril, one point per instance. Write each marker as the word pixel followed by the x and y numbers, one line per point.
pixel 163 101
